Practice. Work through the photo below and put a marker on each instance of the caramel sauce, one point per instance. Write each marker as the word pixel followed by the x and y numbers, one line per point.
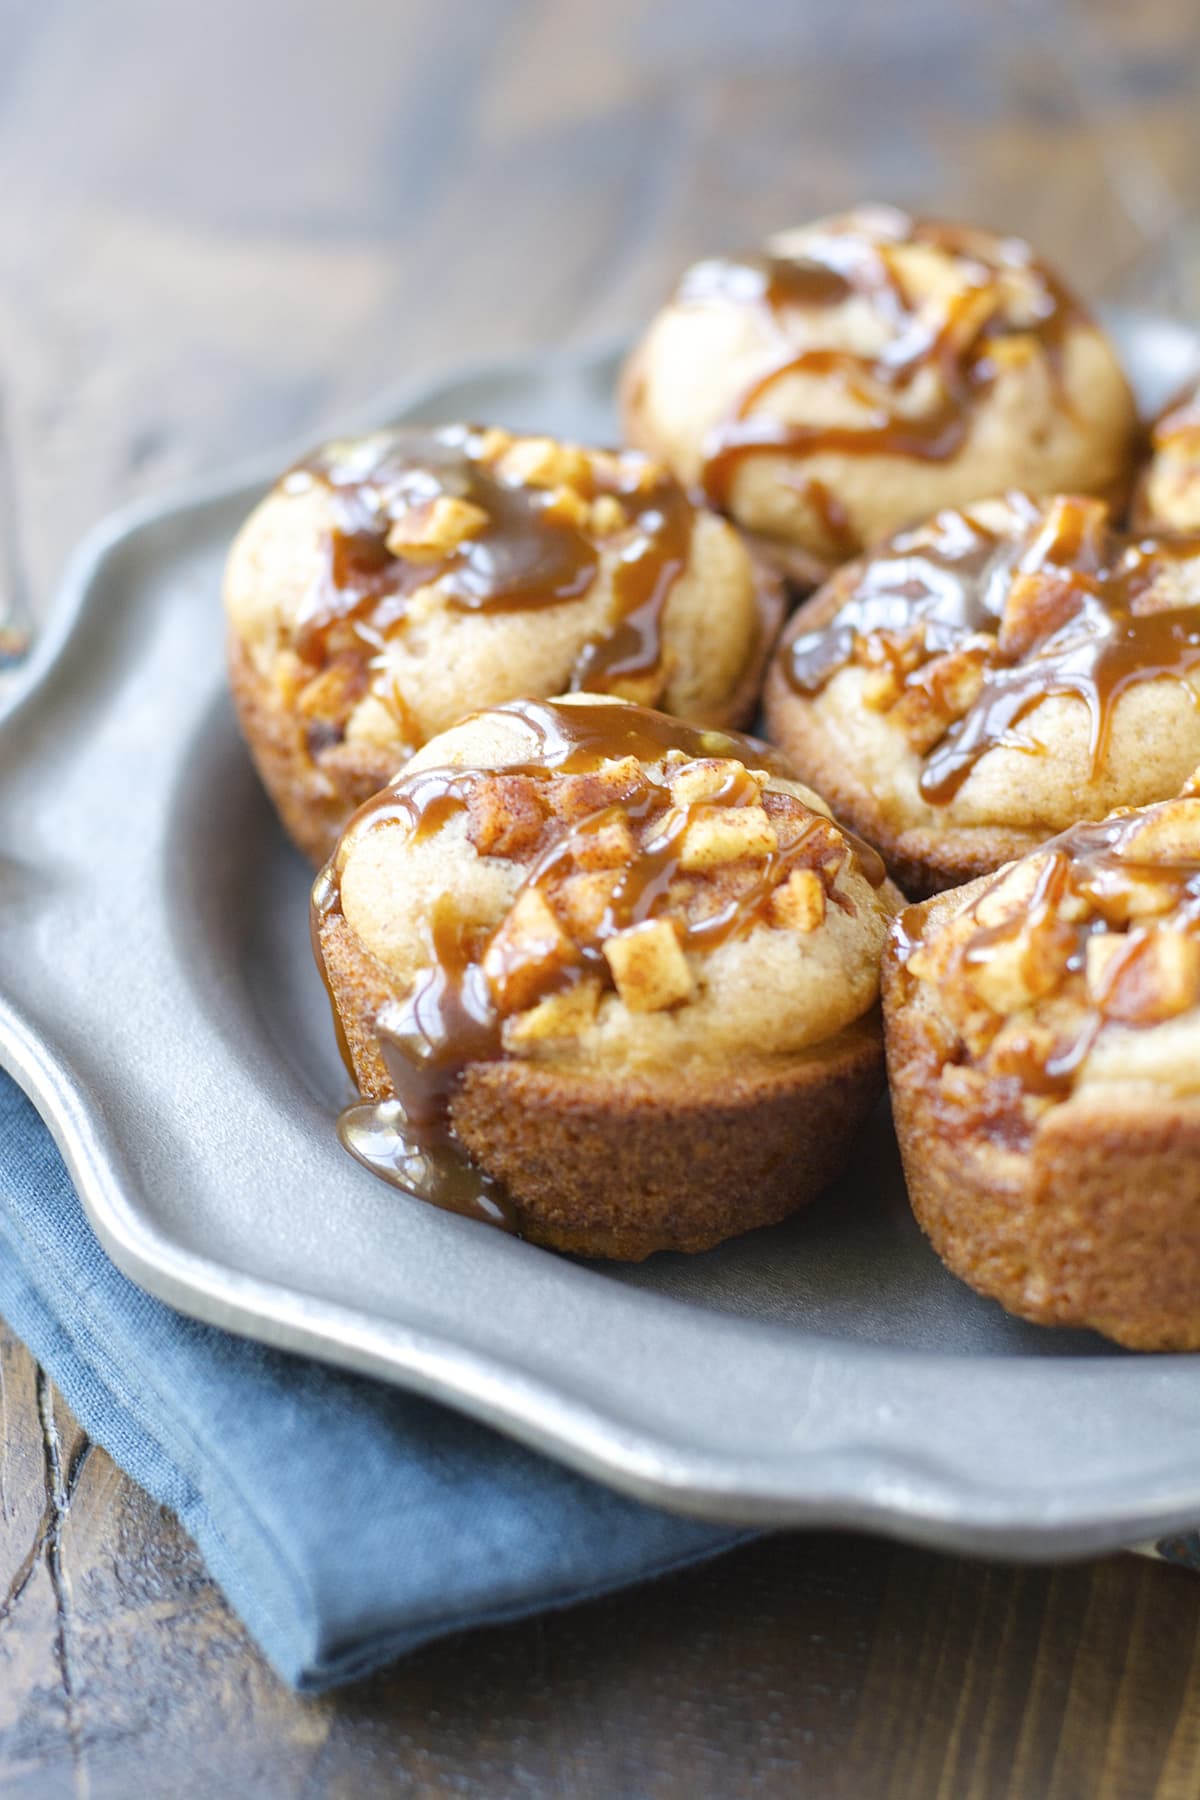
pixel 453 1016
pixel 856 259
pixel 525 557
pixel 646 572
pixel 831 515
pixel 521 559
pixel 1096 656
pixel 1080 892
pixel 950 580
pixel 947 579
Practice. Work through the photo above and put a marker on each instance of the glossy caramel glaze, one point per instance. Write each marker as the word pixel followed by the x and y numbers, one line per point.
pixel 527 550
pixel 1057 604
pixel 855 258
pixel 593 774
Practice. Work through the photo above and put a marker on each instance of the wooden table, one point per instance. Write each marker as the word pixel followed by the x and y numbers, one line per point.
pixel 223 226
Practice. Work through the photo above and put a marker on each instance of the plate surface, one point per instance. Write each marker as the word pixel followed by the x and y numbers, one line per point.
pixel 162 1010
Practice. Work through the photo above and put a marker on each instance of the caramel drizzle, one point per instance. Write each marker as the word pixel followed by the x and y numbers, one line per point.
pixel 451 1017
pixel 856 259
pixel 948 578
pixel 951 580
pixel 1089 864
pixel 522 560
pixel 1096 657
pixel 645 574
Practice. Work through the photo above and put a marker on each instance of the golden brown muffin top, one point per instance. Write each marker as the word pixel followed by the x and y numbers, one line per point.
pixel 503 524
pixel 869 341
pixel 1076 965
pixel 591 883
pixel 389 583
pixel 947 294
pixel 963 629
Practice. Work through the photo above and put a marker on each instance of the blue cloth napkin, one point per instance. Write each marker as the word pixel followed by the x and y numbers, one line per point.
pixel 347 1522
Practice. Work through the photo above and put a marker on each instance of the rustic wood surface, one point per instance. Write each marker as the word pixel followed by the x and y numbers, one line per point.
pixel 225 224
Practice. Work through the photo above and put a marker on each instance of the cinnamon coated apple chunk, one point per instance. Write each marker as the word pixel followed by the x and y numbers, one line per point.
pixel 620 970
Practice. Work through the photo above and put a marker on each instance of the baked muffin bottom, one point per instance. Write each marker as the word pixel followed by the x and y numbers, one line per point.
pixel 623 1165
pixel 1090 1219
pixel 315 793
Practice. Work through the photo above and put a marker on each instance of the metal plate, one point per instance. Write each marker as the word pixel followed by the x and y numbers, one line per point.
pixel 162 1010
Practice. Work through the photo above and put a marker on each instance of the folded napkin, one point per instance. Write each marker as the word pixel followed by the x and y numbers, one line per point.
pixel 347 1522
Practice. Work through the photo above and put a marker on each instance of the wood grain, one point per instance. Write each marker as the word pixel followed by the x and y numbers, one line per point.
pixel 823 1664
pixel 225 225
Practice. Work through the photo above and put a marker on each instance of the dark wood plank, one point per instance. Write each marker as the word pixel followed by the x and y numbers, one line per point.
pixel 248 227
pixel 823 1664
pixel 225 225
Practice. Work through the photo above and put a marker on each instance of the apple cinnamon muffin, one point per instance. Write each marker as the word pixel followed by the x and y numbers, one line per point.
pixel 605 977
pixel 1043 1033
pixel 389 584
pixel 991 677
pixel 1168 490
pixel 864 371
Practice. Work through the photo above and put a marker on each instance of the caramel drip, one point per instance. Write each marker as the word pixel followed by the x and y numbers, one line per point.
pixel 1081 891
pixel 521 559
pixel 1100 653
pixel 951 580
pixel 378 1135
pixel 642 581
pixel 452 1017
pixel 574 739
pixel 831 515
pixel 525 557
pixel 948 579
pixel 857 260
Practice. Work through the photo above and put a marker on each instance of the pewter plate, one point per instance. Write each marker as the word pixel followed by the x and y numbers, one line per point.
pixel 161 1008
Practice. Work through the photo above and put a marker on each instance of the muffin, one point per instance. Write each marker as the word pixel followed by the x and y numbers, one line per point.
pixel 390 584
pixel 1168 490
pixel 991 677
pixel 604 977
pixel 865 371
pixel 1043 1038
